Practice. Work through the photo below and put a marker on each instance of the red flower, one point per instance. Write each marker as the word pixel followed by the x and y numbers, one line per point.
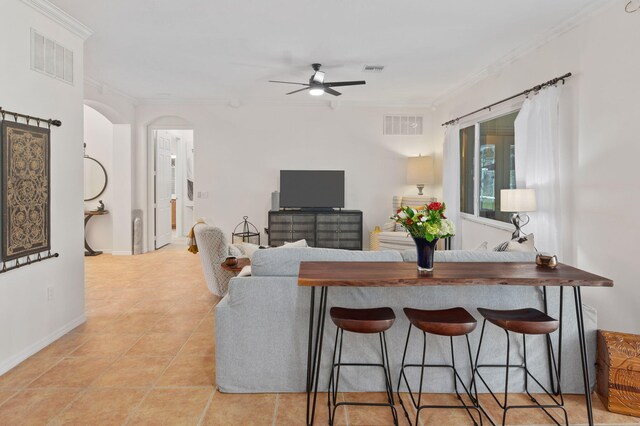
pixel 409 222
pixel 420 216
pixel 398 211
pixel 435 206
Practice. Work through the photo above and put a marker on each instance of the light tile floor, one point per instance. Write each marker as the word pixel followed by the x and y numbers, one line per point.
pixel 145 356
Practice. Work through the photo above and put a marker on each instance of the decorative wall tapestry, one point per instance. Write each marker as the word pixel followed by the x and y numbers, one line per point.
pixel 25 196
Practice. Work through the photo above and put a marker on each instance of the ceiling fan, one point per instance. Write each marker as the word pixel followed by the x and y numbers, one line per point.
pixel 317 86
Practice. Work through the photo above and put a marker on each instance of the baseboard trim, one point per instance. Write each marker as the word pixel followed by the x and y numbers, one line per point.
pixel 122 253
pixel 40 344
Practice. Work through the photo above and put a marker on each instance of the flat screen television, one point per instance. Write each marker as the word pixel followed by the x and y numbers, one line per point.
pixel 310 189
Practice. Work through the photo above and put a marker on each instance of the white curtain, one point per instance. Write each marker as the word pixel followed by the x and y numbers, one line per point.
pixel 451 179
pixel 537 165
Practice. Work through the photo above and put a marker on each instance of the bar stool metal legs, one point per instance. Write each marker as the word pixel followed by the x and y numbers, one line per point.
pixel 334 379
pixel 504 405
pixel 438 317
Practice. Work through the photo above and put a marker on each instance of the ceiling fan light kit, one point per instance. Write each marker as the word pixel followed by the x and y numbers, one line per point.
pixel 317 85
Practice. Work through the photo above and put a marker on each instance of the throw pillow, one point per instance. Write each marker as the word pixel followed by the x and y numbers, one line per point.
pixel 235 250
pixel 248 249
pixel 245 272
pixel 299 243
pixel 525 244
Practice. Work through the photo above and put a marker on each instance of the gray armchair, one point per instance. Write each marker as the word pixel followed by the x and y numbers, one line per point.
pixel 213 249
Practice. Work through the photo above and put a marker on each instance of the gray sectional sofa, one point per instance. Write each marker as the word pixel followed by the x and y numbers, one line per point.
pixel 262 326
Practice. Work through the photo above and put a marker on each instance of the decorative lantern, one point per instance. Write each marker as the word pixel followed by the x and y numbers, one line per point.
pixel 249 233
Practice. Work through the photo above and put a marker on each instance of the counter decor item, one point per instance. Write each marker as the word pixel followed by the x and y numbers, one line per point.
pixel 231 261
pixel 546 260
pixel 425 225
pixel 618 372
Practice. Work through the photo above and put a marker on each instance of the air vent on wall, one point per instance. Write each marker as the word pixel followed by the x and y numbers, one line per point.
pixel 50 58
pixel 402 125
pixel 373 68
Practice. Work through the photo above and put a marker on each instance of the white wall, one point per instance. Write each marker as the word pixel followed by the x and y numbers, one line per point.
pixel 118 110
pixel 29 321
pixel 98 135
pixel 240 151
pixel 600 150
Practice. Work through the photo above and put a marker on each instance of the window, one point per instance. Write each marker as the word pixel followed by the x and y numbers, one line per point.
pixel 467 154
pixel 487 154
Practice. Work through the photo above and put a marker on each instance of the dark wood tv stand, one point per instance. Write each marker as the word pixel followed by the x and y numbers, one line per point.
pixel 326 228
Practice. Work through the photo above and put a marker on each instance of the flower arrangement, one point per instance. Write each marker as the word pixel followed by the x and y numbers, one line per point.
pixel 429 223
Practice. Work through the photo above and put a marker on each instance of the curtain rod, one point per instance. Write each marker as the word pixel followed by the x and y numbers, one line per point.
pixel 15 115
pixel 523 93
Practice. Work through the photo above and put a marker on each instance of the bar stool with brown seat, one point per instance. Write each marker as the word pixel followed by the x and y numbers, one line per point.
pixel 363 321
pixel 526 321
pixel 446 322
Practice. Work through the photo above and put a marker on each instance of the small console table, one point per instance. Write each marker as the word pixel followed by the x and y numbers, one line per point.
pixel 87 217
pixel 242 262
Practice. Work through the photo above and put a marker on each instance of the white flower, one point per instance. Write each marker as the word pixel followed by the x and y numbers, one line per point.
pixel 402 215
pixel 446 228
pixel 424 219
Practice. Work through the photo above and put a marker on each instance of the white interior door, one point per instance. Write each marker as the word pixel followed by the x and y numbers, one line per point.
pixel 163 189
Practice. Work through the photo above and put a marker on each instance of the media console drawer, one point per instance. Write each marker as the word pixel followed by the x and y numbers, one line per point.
pixel 340 229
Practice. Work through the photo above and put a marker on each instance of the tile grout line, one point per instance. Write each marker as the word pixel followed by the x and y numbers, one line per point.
pixel 275 410
pixel 206 407
pixel 85 390
pixel 88 387
pixel 133 413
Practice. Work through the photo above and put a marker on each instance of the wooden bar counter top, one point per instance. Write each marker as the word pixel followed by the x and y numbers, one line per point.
pixel 401 274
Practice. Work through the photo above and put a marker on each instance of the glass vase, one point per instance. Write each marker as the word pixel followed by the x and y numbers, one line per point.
pixel 425 251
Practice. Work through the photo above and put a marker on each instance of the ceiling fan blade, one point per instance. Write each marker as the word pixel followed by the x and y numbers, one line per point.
pixel 299 90
pixel 331 91
pixel 344 83
pixel 288 82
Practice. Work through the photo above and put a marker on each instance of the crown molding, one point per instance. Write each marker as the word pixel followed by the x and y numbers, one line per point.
pixel 497 66
pixel 270 102
pixel 104 89
pixel 58 15
pixel 252 102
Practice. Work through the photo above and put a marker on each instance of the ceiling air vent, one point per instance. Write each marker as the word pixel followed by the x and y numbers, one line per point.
pixel 373 68
pixel 403 125
pixel 50 58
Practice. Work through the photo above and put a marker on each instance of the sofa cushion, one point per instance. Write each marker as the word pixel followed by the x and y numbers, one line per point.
pixel 285 262
pixel 472 256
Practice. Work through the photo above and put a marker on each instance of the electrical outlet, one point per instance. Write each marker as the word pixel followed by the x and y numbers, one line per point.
pixel 199 194
pixel 49 294
pixel 205 194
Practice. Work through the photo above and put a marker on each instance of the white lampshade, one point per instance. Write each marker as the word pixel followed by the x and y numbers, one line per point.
pixel 518 200
pixel 420 170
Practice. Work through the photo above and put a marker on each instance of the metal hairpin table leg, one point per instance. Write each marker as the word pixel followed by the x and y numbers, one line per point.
pixel 555 387
pixel 583 352
pixel 313 360
pixel 549 352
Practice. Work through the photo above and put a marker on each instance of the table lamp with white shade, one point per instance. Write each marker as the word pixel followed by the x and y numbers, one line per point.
pixel 420 172
pixel 518 202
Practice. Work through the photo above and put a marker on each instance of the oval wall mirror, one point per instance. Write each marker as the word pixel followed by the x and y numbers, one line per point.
pixel 95 178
